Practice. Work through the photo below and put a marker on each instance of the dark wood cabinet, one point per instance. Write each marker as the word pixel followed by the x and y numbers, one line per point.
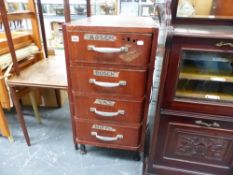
pixel 110 63
pixel 193 125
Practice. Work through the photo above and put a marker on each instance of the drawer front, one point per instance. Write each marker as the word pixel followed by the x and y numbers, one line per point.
pixel 108 109
pixel 105 134
pixel 101 80
pixel 195 145
pixel 108 48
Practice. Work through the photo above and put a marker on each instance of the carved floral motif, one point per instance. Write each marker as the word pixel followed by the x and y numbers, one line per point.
pixel 205 147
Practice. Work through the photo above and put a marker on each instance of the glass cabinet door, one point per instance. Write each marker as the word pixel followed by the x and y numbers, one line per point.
pixel 205 75
pixel 219 9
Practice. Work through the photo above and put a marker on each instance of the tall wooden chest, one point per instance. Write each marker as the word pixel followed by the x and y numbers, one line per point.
pixel 110 63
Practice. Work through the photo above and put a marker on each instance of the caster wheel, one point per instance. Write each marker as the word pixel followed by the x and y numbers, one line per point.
pixel 137 157
pixel 76 146
pixel 83 149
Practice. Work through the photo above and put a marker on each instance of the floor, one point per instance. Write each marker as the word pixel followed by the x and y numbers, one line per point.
pixel 52 151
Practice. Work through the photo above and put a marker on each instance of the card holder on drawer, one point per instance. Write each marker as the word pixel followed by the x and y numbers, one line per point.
pixel 110 81
pixel 108 48
pixel 94 133
pixel 108 109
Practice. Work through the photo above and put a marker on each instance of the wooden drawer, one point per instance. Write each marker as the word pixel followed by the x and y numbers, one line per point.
pixel 107 135
pixel 108 48
pixel 184 142
pixel 102 80
pixel 108 109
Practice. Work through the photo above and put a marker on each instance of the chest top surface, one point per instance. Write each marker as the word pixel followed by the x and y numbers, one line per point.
pixel 116 23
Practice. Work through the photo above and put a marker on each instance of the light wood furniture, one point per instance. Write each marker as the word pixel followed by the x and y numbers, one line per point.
pixel 110 63
pixel 48 73
pixel 9 44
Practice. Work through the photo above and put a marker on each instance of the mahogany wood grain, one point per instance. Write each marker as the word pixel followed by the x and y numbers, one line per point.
pixel 186 133
pixel 114 24
pixel 88 8
pixel 137 55
pixel 179 44
pixel 68 76
pixel 133 110
pixel 138 74
pixel 186 147
pixel 224 8
pixel 130 134
pixel 42 27
pixel 67 10
pixel 19 115
pixel 134 88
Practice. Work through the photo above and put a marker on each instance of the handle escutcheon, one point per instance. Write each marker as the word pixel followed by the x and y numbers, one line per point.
pixel 202 123
pixel 107 139
pixel 107 84
pixel 107 49
pixel 107 114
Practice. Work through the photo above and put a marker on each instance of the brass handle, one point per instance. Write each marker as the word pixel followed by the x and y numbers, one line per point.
pixel 202 123
pixel 107 139
pixel 220 44
pixel 107 114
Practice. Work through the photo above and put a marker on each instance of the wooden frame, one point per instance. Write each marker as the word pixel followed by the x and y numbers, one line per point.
pixel 198 21
pixel 17 42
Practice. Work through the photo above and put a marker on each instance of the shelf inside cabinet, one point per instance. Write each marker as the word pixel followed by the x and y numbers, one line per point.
pixel 206 77
pixel 204 95
pixel 19 15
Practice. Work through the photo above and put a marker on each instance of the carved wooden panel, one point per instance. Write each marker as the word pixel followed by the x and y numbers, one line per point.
pixel 203 147
pixel 186 146
pixel 198 144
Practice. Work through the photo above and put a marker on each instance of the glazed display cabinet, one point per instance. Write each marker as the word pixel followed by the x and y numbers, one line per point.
pixel 193 127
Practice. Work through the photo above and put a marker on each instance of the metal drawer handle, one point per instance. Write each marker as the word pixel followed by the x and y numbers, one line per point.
pixel 107 49
pixel 107 139
pixel 220 44
pixel 107 84
pixel 107 114
pixel 214 124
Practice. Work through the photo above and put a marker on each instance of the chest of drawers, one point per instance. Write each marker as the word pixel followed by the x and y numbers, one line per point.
pixel 110 63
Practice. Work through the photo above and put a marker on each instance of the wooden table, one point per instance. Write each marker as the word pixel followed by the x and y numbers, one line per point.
pixel 47 73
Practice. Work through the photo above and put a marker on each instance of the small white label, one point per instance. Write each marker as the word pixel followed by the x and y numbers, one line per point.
pixel 75 38
pixel 103 73
pixel 212 97
pixel 100 37
pixel 104 102
pixel 218 79
pixel 104 128
pixel 140 43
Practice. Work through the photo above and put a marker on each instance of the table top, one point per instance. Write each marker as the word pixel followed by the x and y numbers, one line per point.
pixel 47 73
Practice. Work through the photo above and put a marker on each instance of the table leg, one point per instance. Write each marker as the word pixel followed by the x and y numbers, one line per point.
pixel 34 106
pixel 58 98
pixel 19 115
